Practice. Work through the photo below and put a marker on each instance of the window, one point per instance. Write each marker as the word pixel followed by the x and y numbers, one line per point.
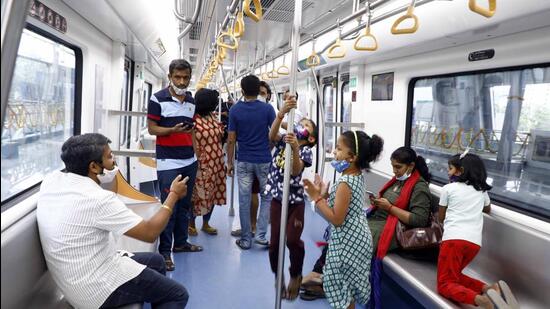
pixel 43 104
pixel 501 115
pixel 382 87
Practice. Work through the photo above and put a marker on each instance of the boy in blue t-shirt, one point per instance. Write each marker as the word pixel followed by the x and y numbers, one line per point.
pixel 249 123
pixel 301 141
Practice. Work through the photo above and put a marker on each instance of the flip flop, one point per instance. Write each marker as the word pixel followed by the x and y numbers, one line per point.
pixel 506 294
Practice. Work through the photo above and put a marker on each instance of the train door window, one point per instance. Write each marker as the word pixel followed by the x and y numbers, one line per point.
pixel 43 110
pixel 345 112
pixel 503 116
pixel 328 101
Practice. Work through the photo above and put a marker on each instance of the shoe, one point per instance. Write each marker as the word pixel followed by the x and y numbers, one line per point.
pixel 209 230
pixel 243 244
pixel 236 233
pixel 187 248
pixel 192 231
pixel 261 241
pixel 170 266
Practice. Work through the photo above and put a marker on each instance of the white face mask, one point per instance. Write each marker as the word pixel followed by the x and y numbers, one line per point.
pixel 178 91
pixel 108 175
pixel 404 176
pixel 262 99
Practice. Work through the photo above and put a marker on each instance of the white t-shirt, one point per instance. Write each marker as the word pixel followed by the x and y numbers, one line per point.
pixel 464 216
pixel 77 220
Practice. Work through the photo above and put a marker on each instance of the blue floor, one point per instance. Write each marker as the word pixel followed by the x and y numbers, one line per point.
pixel 224 276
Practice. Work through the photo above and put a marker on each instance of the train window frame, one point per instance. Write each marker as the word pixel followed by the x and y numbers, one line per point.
pixel 499 200
pixel 77 107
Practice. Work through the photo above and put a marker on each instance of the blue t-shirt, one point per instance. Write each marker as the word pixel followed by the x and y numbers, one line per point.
pixel 251 122
pixel 276 175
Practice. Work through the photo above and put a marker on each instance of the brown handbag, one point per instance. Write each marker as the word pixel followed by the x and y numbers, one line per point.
pixel 420 237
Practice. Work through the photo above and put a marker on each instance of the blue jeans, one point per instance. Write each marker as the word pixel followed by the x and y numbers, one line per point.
pixel 151 286
pixel 179 221
pixel 245 177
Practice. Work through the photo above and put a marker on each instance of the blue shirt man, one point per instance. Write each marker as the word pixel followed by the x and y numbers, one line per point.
pixel 249 124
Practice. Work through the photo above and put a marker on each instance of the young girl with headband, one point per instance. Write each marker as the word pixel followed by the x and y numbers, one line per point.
pixel 347 268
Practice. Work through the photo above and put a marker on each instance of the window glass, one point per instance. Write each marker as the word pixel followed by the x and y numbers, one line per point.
pixel 503 116
pixel 40 112
pixel 328 100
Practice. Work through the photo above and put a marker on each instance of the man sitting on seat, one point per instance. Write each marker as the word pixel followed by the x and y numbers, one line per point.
pixel 77 220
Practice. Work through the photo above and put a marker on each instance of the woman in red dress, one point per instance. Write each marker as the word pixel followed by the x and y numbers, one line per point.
pixel 210 184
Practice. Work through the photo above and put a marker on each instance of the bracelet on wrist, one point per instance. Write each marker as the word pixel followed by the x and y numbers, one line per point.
pixel 167 208
pixel 319 199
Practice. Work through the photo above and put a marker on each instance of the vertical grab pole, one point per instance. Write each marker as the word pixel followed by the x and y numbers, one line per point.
pixel 288 151
pixel 234 96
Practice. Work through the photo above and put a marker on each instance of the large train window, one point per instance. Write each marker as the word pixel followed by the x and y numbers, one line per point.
pixel 43 103
pixel 501 115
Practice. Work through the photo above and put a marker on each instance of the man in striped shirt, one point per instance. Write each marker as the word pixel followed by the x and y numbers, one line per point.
pixel 170 117
pixel 77 220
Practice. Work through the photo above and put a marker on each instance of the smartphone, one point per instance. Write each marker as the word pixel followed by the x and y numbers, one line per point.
pixel 188 125
pixel 371 194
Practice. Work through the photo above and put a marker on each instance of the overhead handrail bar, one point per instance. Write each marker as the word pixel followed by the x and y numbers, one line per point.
pixel 283 69
pixel 367 33
pixel 409 15
pixel 255 16
pixel 313 59
pixel 190 22
pixel 337 50
pixel 273 73
pixel 295 45
pixel 472 4
pixel 229 34
pixel 345 34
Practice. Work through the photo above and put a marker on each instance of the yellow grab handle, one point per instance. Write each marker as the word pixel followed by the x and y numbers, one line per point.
pixel 283 70
pixel 219 59
pixel 409 14
pixel 221 53
pixel 221 41
pixel 483 11
pixel 367 34
pixel 273 74
pixel 333 50
pixel 265 76
pixel 254 16
pixel 313 60
pixel 238 30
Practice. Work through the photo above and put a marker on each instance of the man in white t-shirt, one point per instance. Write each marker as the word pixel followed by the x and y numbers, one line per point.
pixel 77 220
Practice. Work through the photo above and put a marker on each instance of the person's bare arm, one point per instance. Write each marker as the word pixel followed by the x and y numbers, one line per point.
pixel 149 230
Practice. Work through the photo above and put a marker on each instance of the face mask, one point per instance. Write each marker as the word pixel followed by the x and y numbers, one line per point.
pixel 404 176
pixel 108 175
pixel 262 99
pixel 453 178
pixel 301 132
pixel 178 91
pixel 340 165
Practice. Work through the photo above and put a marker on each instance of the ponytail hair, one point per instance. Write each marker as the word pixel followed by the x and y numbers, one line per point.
pixel 473 171
pixel 369 147
pixel 407 155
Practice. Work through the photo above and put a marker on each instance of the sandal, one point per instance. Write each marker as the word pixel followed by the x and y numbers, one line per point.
pixel 192 231
pixel 169 264
pixel 187 248
pixel 209 230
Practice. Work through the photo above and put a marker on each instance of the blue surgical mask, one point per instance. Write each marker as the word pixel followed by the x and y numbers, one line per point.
pixel 403 177
pixel 340 165
pixel 453 178
pixel 301 132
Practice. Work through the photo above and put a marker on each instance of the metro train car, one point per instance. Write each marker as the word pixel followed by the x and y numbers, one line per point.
pixel 441 77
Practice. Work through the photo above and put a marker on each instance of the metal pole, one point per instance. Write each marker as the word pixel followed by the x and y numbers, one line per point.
pixel 231 206
pixel 321 103
pixel 288 150
pixel 13 23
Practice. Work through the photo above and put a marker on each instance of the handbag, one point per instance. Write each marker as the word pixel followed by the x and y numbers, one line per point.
pixel 420 237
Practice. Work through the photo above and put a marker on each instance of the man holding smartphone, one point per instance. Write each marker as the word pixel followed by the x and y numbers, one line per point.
pixel 170 117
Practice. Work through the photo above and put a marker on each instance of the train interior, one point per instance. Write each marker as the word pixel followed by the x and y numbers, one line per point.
pixel 440 76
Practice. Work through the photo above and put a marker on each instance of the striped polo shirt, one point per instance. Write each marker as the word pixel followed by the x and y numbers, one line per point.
pixel 175 150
